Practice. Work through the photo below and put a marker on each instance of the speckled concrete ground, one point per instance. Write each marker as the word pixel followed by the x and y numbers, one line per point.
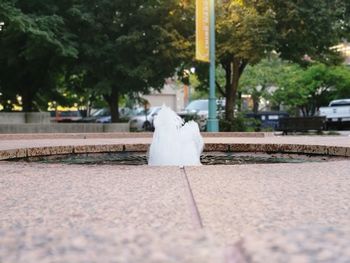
pixel 248 213
pixel 236 201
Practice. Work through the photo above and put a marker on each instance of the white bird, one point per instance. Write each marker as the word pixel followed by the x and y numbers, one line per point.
pixel 174 143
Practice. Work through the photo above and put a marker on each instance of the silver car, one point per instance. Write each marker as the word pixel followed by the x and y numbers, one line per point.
pixel 143 121
pixel 198 110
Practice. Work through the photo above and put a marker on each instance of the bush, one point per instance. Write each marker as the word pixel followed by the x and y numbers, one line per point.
pixel 239 124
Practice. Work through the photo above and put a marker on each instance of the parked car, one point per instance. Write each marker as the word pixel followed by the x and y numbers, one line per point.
pixel 127 113
pixel 143 121
pixel 100 113
pixel 337 111
pixel 65 116
pixel 105 119
pixel 337 114
pixel 124 114
pixel 198 110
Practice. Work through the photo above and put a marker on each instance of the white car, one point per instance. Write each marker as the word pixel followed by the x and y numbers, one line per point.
pixel 337 111
pixel 198 110
pixel 143 121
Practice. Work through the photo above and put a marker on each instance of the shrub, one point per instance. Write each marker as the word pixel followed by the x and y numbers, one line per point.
pixel 239 124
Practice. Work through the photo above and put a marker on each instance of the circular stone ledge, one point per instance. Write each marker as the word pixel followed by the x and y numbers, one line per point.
pixel 120 135
pixel 209 147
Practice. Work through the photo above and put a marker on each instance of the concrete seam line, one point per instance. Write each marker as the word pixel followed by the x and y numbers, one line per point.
pixel 235 254
pixel 192 202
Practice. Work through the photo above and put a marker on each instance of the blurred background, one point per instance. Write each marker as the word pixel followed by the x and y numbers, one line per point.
pixel 114 61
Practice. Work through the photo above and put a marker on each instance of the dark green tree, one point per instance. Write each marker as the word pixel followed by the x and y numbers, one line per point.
pixel 299 31
pixel 261 80
pixel 35 46
pixel 309 89
pixel 128 46
pixel 309 28
pixel 245 32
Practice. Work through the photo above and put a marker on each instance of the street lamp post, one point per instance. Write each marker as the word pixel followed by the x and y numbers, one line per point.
pixel 213 124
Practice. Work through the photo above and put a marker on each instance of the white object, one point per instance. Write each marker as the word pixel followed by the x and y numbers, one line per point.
pixel 200 109
pixel 174 143
pixel 338 110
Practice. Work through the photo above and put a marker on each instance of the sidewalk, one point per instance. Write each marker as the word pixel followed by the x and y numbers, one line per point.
pixel 246 213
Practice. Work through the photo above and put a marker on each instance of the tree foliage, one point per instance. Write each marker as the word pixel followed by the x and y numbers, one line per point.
pixel 261 80
pixel 309 28
pixel 35 45
pixel 247 30
pixel 309 89
pixel 128 46
pixel 108 48
pixel 113 48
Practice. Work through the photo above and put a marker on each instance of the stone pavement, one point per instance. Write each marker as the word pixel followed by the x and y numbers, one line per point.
pixel 246 213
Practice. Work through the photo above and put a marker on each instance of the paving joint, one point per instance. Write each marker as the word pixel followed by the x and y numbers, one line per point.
pixel 234 254
pixel 192 202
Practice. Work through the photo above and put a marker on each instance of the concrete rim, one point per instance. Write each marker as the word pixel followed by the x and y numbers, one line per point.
pixel 118 135
pixel 143 147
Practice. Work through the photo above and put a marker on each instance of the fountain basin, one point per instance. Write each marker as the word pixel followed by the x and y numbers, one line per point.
pixel 207 158
pixel 214 153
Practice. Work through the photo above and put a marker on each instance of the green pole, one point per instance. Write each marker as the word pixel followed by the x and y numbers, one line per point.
pixel 213 124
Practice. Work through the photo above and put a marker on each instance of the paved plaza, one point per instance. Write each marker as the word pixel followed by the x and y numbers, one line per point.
pixel 109 213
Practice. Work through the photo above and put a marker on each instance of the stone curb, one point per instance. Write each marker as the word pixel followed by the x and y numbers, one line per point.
pixel 209 147
pixel 119 135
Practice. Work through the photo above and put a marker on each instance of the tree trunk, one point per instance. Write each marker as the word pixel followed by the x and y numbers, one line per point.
pixel 27 101
pixel 113 102
pixel 229 106
pixel 256 101
pixel 239 101
pixel 234 70
pixel 304 111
